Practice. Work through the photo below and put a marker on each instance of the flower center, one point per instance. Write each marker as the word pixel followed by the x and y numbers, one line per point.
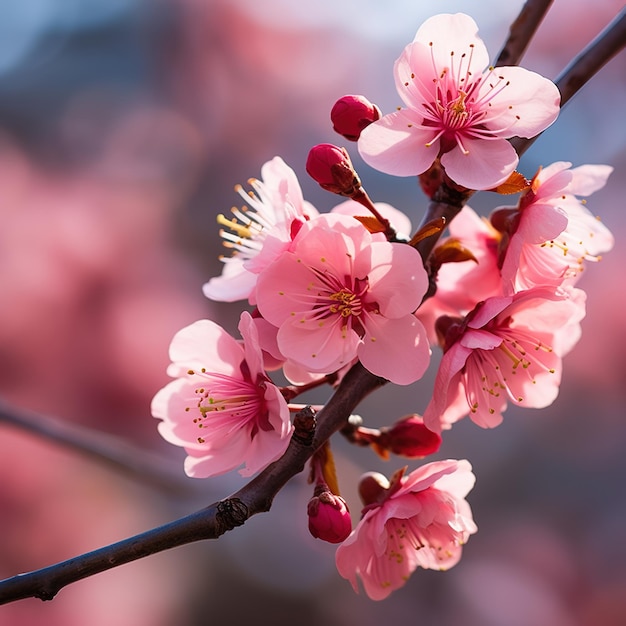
pixel 249 225
pixel 347 303
pixel 225 404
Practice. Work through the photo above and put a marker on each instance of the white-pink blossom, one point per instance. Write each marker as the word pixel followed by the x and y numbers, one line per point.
pixel 508 349
pixel 552 234
pixel 419 520
pixel 222 408
pixel 339 294
pixel 462 285
pixel 260 231
pixel 457 109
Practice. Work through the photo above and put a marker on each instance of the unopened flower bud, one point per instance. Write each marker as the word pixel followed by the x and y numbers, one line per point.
pixel 505 220
pixel 331 167
pixel 329 518
pixel 351 114
pixel 373 488
pixel 409 437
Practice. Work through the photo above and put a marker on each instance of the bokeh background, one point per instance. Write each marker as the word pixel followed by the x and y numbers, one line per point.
pixel 124 126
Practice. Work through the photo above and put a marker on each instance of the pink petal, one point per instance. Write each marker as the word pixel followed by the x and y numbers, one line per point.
pixel 428 475
pixel 252 348
pixel 219 461
pixel 587 179
pixel 395 349
pixel 280 289
pixel 486 164
pixel 235 283
pixel 528 104
pixel 446 389
pixel 396 145
pixel 458 33
pixel 458 483
pixel 413 73
pixel 397 279
pixel 204 343
pixel 319 348
pixel 281 183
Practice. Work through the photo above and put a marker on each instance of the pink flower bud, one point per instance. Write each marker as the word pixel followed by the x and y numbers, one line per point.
pixel 351 114
pixel 331 167
pixel 373 488
pixel 329 518
pixel 409 437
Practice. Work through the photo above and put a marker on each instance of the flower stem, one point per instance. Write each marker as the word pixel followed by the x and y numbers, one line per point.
pixel 584 66
pixel 522 31
pixel 109 449
pixel 210 522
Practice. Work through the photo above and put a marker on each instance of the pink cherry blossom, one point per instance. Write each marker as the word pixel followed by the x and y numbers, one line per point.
pixel 456 109
pixel 222 408
pixel 260 231
pixel 552 234
pixel 419 520
pixel 339 294
pixel 508 349
pixel 461 286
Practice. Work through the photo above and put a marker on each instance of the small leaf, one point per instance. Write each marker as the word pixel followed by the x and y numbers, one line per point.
pixel 329 471
pixel 371 223
pixel 513 184
pixel 452 251
pixel 383 453
pixel 434 227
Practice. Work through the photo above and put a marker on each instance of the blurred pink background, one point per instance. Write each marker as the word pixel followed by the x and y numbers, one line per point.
pixel 124 126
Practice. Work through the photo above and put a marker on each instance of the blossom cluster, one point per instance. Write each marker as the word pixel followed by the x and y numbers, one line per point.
pixel 328 290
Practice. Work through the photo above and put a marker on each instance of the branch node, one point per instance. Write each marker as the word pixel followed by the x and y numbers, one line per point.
pixel 231 513
pixel 304 424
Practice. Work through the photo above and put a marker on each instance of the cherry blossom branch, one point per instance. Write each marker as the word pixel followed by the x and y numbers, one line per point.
pixel 112 451
pixel 311 432
pixel 585 65
pixel 522 31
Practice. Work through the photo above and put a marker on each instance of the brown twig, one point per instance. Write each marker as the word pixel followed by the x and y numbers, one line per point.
pixel 583 67
pixel 522 31
pixel 210 522
pixel 113 451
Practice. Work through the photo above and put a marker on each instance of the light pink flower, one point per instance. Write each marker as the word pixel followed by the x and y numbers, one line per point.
pixel 461 286
pixel 419 520
pixel 552 234
pixel 457 109
pixel 508 349
pixel 222 408
pixel 339 294
pixel 260 231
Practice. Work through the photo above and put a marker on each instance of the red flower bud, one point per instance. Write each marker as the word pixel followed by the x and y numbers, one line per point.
pixel 409 437
pixel 373 488
pixel 329 518
pixel 331 167
pixel 351 114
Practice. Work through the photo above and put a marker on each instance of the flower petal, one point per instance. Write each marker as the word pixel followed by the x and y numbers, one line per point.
pixel 396 144
pixel 484 165
pixel 396 349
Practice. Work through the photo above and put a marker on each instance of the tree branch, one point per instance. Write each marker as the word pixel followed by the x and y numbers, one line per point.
pixel 210 522
pixel 522 31
pixel 583 67
pixel 112 451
